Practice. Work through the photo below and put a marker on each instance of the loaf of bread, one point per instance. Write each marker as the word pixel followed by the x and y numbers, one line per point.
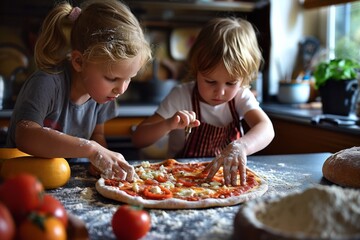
pixel 343 168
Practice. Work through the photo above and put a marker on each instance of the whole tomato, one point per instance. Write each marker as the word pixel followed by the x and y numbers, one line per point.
pixel 50 205
pixel 130 223
pixel 40 226
pixel 21 194
pixel 7 225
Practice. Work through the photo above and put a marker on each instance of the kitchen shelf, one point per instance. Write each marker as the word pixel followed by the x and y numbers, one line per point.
pixel 236 6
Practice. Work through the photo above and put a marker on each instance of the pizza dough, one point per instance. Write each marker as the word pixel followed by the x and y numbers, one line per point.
pixel 343 168
pixel 182 185
pixel 319 212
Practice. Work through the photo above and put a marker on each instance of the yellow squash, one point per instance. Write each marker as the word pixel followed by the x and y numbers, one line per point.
pixel 7 153
pixel 52 172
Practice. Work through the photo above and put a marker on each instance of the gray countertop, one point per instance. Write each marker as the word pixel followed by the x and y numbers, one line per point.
pixel 284 174
pixel 294 113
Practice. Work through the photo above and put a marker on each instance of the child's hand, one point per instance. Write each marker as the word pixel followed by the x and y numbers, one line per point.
pixel 184 118
pixel 113 165
pixel 233 159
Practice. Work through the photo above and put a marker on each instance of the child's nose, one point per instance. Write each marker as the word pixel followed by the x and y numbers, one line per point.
pixel 121 88
pixel 220 91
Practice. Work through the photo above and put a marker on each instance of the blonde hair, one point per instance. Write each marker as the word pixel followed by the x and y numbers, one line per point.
pixel 231 41
pixel 105 30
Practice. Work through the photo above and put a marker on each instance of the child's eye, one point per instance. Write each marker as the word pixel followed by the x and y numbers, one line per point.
pixel 111 79
pixel 210 81
pixel 232 83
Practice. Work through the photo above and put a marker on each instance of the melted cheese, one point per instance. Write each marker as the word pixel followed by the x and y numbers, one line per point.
pixel 135 187
pixel 168 184
pixel 156 189
pixel 187 192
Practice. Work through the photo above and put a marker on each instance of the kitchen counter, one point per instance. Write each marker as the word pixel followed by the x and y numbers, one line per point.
pixel 300 129
pixel 284 174
pixel 298 114
pixel 285 111
pixel 297 129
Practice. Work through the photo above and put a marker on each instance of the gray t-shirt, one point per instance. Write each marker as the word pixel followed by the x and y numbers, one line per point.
pixel 45 99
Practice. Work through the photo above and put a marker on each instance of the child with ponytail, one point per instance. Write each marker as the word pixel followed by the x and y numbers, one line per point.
pixel 86 58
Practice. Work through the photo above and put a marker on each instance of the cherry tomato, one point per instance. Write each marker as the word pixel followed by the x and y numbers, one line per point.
pixel 21 194
pixel 7 225
pixel 41 227
pixel 130 223
pixel 50 205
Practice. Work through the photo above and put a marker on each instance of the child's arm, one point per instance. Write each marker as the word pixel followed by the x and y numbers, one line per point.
pixel 153 128
pixel 45 142
pixel 99 135
pixel 234 157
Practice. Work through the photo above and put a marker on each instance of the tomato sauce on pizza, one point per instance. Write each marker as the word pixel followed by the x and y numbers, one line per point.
pixel 173 184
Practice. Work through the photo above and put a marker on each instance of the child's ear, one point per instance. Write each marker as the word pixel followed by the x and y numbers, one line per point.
pixel 77 60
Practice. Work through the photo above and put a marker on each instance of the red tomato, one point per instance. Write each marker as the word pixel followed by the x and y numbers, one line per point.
pixel 51 205
pixel 7 225
pixel 21 194
pixel 130 223
pixel 40 226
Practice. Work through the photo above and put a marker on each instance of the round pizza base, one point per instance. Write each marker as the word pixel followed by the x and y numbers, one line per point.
pixel 343 168
pixel 173 203
pixel 279 210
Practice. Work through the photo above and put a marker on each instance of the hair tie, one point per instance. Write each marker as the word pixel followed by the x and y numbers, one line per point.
pixel 74 14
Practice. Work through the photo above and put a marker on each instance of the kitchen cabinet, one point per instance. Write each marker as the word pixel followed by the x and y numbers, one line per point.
pixel 121 126
pixel 118 136
pixel 294 137
pixel 294 132
pixel 117 127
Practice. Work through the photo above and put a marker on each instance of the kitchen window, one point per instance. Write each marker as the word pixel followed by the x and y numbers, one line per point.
pixel 344 31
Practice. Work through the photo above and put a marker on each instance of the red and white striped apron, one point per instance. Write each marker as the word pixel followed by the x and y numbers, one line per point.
pixel 208 140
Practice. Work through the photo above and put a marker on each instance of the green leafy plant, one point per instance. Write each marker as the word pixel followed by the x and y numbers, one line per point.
pixel 335 70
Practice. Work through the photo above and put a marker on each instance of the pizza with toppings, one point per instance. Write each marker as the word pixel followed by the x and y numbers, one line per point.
pixel 180 185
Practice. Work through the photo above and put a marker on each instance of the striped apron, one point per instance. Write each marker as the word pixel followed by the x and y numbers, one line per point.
pixel 208 140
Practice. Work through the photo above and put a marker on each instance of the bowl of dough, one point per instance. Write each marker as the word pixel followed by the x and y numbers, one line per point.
pixel 318 212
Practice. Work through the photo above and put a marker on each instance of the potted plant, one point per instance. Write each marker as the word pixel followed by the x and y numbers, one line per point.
pixel 337 82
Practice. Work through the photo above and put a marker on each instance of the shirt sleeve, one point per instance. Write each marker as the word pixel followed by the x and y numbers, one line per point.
pixel 36 98
pixel 179 98
pixel 245 101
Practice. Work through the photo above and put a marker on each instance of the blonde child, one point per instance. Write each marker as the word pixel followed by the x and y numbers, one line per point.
pixel 223 61
pixel 86 58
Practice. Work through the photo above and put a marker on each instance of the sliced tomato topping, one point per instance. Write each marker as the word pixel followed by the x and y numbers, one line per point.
pixel 151 182
pixel 161 179
pixel 165 193
pixel 186 181
pixel 112 182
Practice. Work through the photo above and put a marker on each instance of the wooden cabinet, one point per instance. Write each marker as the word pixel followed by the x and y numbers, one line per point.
pixel 299 137
pixel 121 126
pixel 117 127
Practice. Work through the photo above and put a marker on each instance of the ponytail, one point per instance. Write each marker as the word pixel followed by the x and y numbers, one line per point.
pixel 104 30
pixel 53 44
